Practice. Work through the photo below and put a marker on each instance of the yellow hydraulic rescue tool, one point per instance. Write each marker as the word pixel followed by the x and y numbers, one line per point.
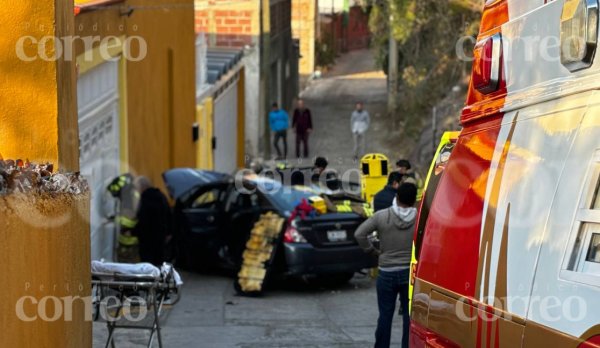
pixel 374 174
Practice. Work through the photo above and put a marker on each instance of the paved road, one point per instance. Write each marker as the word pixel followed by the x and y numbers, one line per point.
pixel 210 315
pixel 332 100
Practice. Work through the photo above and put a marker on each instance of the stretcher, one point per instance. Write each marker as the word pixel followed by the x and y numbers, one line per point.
pixel 119 289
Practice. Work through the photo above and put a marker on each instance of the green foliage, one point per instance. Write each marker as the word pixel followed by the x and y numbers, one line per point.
pixel 426 32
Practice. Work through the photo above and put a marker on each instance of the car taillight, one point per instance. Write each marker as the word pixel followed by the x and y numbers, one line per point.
pixel 292 235
pixel 487 69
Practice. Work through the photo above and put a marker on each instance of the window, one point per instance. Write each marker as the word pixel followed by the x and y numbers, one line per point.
pixel 583 253
pixel 593 254
pixel 208 199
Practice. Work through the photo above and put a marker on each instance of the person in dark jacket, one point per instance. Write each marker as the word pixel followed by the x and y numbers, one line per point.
pixel 154 222
pixel 302 123
pixel 395 227
pixel 384 198
pixel 403 167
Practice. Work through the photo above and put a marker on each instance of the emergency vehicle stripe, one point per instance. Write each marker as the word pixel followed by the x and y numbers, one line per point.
pixel 501 292
pixel 485 251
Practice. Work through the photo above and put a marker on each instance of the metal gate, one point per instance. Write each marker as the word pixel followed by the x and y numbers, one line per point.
pixel 98 113
pixel 225 129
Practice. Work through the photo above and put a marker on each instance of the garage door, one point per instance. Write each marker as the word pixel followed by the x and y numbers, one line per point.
pixel 225 130
pixel 98 100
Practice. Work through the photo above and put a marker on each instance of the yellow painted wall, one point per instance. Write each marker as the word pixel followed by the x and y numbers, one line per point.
pixel 45 255
pixel 158 102
pixel 29 98
pixel 162 87
pixel 45 240
pixel 204 113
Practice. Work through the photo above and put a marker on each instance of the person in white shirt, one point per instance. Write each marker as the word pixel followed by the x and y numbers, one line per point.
pixel 359 123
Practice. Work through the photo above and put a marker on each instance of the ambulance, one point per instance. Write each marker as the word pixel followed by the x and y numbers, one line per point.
pixel 510 251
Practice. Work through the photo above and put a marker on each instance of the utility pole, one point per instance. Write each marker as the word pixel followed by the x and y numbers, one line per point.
pixel 392 67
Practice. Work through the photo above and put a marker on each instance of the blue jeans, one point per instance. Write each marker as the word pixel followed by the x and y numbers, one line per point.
pixel 390 286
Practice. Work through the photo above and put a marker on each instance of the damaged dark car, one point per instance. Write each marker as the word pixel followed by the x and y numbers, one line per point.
pixel 215 214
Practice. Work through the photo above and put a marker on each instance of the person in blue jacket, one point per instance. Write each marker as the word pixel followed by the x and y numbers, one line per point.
pixel 279 122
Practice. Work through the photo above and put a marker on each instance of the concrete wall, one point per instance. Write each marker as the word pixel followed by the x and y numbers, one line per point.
pixel 304 25
pixel 253 125
pixel 283 49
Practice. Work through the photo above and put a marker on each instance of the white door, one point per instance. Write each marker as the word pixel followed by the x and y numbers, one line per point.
pixel 225 130
pixel 98 100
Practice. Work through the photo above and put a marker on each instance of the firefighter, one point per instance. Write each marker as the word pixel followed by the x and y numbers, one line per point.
pixel 123 190
pixel 154 222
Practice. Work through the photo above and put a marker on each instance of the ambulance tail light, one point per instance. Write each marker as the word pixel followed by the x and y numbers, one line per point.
pixel 487 65
pixel 578 33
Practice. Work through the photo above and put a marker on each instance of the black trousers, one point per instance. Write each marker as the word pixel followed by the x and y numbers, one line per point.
pixel 280 135
pixel 302 138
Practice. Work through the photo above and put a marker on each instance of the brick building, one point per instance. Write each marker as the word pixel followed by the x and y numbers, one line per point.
pixel 263 29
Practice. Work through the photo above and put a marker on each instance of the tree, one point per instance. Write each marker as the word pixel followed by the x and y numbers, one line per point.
pixel 427 32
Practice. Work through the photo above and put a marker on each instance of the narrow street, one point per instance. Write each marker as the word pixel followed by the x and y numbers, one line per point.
pixel 211 315
pixel 332 99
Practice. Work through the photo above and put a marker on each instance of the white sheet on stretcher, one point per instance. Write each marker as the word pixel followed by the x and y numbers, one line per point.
pixel 142 268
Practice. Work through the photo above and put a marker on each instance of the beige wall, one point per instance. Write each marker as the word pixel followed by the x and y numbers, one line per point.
pixel 304 16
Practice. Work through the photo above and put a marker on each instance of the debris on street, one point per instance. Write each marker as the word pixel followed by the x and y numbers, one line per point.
pixel 18 176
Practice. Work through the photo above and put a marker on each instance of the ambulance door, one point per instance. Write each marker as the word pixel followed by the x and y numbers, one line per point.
pixel 565 301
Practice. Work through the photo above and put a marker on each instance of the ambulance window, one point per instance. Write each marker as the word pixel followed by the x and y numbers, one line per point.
pixel 583 262
pixel 594 250
pixel 596 201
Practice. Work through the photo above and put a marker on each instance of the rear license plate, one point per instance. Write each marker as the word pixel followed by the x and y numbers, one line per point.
pixel 337 236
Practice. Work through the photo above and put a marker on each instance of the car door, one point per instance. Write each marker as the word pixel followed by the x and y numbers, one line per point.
pixel 243 211
pixel 203 213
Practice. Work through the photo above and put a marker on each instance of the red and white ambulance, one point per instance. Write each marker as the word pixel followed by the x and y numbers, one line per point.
pixel 510 253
